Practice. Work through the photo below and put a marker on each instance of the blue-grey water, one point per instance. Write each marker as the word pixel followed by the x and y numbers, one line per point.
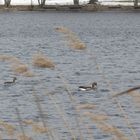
pixel 112 59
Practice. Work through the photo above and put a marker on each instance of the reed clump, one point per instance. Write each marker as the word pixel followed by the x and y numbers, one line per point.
pixel 28 122
pixel 85 106
pixel 39 128
pixel 10 129
pixel 5 57
pixel 9 58
pixel 24 137
pixel 63 30
pixel 20 68
pixel 17 66
pixel 97 117
pixel 36 127
pixel 77 44
pixel 73 40
pixel 40 60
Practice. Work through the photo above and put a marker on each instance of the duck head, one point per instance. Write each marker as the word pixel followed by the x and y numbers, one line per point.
pixel 94 85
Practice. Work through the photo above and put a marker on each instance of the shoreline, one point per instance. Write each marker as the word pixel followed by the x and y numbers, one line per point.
pixel 88 7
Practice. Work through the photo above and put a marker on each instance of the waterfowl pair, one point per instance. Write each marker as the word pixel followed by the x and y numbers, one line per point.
pixel 87 88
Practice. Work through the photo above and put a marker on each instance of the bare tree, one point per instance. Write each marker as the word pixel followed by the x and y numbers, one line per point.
pixel 76 2
pixel 7 3
pixel 135 3
pixel 41 2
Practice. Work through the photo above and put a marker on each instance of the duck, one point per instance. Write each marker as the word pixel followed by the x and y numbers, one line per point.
pixel 10 82
pixel 87 88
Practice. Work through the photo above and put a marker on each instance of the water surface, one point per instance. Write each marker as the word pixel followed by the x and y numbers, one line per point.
pixel 112 59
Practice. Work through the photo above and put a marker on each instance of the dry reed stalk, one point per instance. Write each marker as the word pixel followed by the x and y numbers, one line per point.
pixel 24 137
pixel 136 96
pixel 28 74
pixel 78 119
pixel 109 129
pixel 9 58
pixel 129 91
pixel 10 129
pixel 59 109
pixel 78 45
pixel 5 57
pixel 23 70
pixel 20 69
pixel 121 110
pixel 39 129
pixel 17 66
pixel 40 60
pixel 20 124
pixel 63 30
pixel 85 106
pixel 97 117
pixel 41 113
pixel 15 60
pixel 28 122
pixel 73 40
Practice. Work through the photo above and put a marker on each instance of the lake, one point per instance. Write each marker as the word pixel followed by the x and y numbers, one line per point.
pixel 50 97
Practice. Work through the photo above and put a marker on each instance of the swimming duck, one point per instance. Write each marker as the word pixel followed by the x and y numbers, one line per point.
pixel 10 82
pixel 86 88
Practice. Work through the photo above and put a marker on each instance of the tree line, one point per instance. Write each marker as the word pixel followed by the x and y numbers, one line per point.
pixel 41 3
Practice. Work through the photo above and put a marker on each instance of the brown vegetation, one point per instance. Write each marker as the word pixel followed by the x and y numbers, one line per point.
pixel 96 117
pixel 109 129
pixel 73 40
pixel 10 129
pixel 86 106
pixel 40 60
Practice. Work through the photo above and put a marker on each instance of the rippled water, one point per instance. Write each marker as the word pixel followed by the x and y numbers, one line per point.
pixel 112 38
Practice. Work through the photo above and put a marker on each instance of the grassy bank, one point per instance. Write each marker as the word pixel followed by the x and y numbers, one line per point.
pixel 88 7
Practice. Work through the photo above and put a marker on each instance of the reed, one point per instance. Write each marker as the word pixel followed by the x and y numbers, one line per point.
pixel 38 128
pixel 119 106
pixel 41 113
pixel 128 91
pixel 71 37
pixel 28 122
pixel 5 57
pixel 28 74
pixel 24 137
pixel 20 68
pixel 17 66
pixel 73 102
pixel 97 117
pixel 62 115
pixel 21 136
pixel 109 129
pixel 86 106
pixel 40 60
pixel 78 45
pixel 9 58
pixel 136 97
pixel 10 129
pixel 63 30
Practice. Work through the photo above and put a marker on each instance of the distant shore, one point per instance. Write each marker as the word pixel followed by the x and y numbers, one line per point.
pixel 88 7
